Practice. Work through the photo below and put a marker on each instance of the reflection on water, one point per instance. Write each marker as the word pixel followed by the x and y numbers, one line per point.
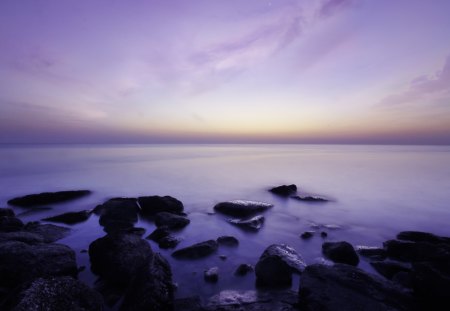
pixel 376 192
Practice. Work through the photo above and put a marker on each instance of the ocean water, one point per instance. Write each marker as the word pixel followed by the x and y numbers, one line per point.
pixel 376 191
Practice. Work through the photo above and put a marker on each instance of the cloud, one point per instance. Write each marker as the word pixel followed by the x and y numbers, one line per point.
pixel 422 87
pixel 330 7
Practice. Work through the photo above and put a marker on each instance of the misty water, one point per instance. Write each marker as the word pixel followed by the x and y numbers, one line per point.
pixel 376 191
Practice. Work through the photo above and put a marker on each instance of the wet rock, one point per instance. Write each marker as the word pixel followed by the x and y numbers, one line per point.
pixel 34 210
pixel 193 303
pixel 374 253
pixel 418 236
pixel 243 269
pixel 7 212
pixel 10 223
pixel 252 224
pixel 198 250
pixel 284 190
pixel 211 275
pixel 70 218
pixel 135 230
pixel 323 234
pixel 171 221
pixel 389 269
pixel 419 251
pixel 227 240
pixel 47 198
pixel 168 242
pixel 153 205
pixel 241 208
pixel 310 199
pixel 276 265
pixel 21 236
pixel 158 233
pixel 344 287
pixel 404 279
pixel 49 233
pixel 341 252
pixel 118 214
pixel 21 262
pixel 223 257
pixel 307 235
pixel 59 293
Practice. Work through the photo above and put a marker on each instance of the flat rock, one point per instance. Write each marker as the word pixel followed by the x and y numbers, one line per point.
pixel 252 224
pixel 228 240
pixel 151 205
pixel 10 223
pixel 198 250
pixel 49 232
pixel 21 236
pixel 340 252
pixel 417 251
pixel 241 208
pixel 309 199
pixel 276 265
pixel 70 218
pixel 389 269
pixel 372 252
pixel 284 190
pixel 171 221
pixel 7 212
pixel 419 236
pixel 48 198
pixel 344 287
pixel 211 275
pixel 118 214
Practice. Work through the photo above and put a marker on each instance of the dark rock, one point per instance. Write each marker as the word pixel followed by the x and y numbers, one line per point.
pixel 276 265
pixel 168 242
pixel 50 233
pixel 70 218
pixel 171 221
pixel 241 208
pixel 243 269
pixel 252 224
pixel 119 214
pixel 193 303
pixel 223 257
pixel 227 240
pixel 198 250
pixel 310 199
pixel 7 212
pixel 323 234
pixel 34 210
pixel 389 269
pixel 10 223
pixel 403 278
pixel 341 252
pixel 152 205
pixel 21 262
pixel 158 233
pixel 83 251
pixel 212 275
pixel 47 198
pixel 21 236
pixel 375 253
pixel 418 236
pixel 59 293
pixel 135 230
pixel 307 235
pixel 419 251
pixel 284 190
pixel 344 287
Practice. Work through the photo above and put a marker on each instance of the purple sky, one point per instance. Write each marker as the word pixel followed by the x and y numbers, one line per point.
pixel 325 71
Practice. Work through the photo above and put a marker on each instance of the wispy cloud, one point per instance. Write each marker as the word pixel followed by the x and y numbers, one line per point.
pixel 330 7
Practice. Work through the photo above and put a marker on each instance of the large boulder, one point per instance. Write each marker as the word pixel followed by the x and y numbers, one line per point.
pixel 372 252
pixel 344 287
pixel 10 223
pixel 151 205
pixel 21 236
pixel 389 269
pixel 118 214
pixel 58 293
pixel 49 233
pixel 431 283
pixel 251 224
pixel 284 190
pixel 419 236
pixel 340 252
pixel 241 208
pixel 70 218
pixel 198 250
pixel 7 212
pixel 171 221
pixel 276 265
pixel 417 251
pixel 47 198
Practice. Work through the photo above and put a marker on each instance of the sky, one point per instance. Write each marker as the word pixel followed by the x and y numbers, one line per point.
pixel 225 71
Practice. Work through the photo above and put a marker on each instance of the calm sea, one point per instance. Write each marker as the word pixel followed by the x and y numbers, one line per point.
pixel 376 191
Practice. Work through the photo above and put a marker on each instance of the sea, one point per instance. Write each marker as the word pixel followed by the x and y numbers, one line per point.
pixel 374 191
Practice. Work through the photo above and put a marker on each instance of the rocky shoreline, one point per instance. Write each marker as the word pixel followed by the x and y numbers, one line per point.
pixel 38 273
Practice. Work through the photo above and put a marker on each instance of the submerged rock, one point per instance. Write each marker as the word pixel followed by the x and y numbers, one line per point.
pixel 243 269
pixel 198 250
pixel 241 208
pixel 284 190
pixel 228 240
pixel 310 199
pixel 344 287
pixel 48 198
pixel 341 252
pixel 251 224
pixel 151 205
pixel 323 234
pixel 171 221
pixel 70 218
pixel 212 275
pixel 307 235
pixel 276 265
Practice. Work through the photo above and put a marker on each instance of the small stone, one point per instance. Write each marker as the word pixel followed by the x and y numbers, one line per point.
pixel 323 234
pixel 243 269
pixel 284 190
pixel 223 257
pixel 307 235
pixel 212 275
pixel 227 240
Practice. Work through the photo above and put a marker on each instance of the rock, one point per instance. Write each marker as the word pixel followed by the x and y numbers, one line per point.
pixel 341 252
pixel 223 257
pixel 152 205
pixel 375 253
pixel 418 236
pixel 118 214
pixel 168 242
pixel 171 221
pixel 158 233
pixel 227 240
pixel 70 218
pixel 7 212
pixel 323 234
pixel 403 278
pixel 193 303
pixel 49 233
pixel 243 269
pixel 307 235
pixel 344 287
pixel 241 208
pixel 21 262
pixel 310 199
pixel 34 210
pixel 212 275
pixel 389 269
pixel 10 223
pixel 47 198
pixel 276 265
pixel 58 293
pixel 21 236
pixel 284 190
pixel 253 224
pixel 419 251
pixel 198 250
pixel 135 230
